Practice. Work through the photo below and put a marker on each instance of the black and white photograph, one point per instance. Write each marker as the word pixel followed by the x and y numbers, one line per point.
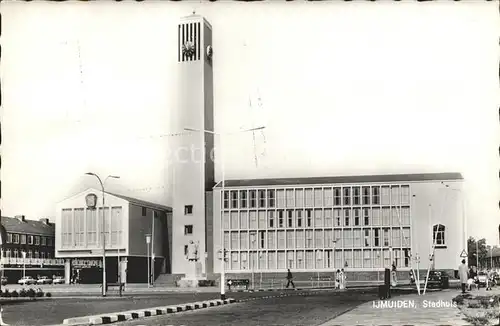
pixel 261 163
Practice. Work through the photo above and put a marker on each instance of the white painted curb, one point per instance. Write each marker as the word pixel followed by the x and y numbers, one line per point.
pixel 141 313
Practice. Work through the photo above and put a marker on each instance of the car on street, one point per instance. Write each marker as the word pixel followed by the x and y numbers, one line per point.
pixel 26 280
pixel 4 280
pixel 482 278
pixel 44 280
pixel 58 280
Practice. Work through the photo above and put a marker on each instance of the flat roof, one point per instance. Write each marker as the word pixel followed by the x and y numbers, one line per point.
pixel 380 178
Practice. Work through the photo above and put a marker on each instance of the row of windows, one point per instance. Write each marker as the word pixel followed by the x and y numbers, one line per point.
pixel 80 227
pixel 328 217
pixel 317 197
pixel 29 239
pixel 317 259
pixel 328 238
pixel 17 253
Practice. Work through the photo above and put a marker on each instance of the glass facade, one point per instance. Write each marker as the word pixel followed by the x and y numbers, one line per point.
pixel 317 228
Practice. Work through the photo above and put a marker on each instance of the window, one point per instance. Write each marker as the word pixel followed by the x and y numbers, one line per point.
pixel 328 217
pixel 328 194
pixel 337 217
pixel 234 220
pixel 386 194
pixel 407 257
pixel 337 196
pixel 299 197
pixel 79 223
pixel 271 240
pixel 280 219
pixel 376 237
pixel 253 219
pixel 310 259
pixel 281 260
pixel 280 198
pixel 309 218
pixel 243 199
pixel 406 237
pixel 358 263
pixel 405 216
pixel 290 219
pixel 290 240
pixel 235 241
pixel 188 210
pixel 309 198
pixel 50 241
pixel 188 229
pixel 270 219
pixel 270 199
pixel 309 239
pixel 244 240
pixel 23 238
pixel 348 237
pixel 376 195
pixel 366 216
pixel 271 260
pixel 289 198
pixel 318 218
pixel 226 199
pixel 44 241
pixel 396 237
pixel 347 196
pixel 144 211
pixel 299 239
pixel 262 219
pixel 299 219
pixel 262 198
pixel 438 235
pixel 244 220
pixel 234 199
pixel 226 240
pixel 91 227
pixel 356 196
pixel 405 195
pixel 318 238
pixel 357 238
pixel 348 258
pixel 30 239
pixel 386 216
pixel 367 238
pixel 253 199
pixel 367 259
pixel 318 197
pixel 395 216
pixel 37 254
pixel 281 240
pixel 395 195
pixel 376 216
pixel 356 217
pixel 37 240
pixel 386 238
pixel 347 217
pixel 15 238
pixel 9 237
pixel 366 195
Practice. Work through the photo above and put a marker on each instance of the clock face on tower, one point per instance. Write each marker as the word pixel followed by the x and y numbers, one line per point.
pixel 188 49
pixel 210 52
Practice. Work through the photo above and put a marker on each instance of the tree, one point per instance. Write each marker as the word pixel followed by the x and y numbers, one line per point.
pixel 471 251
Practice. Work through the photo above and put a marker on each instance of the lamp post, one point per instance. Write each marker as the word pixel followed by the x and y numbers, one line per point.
pixel 222 266
pixel 252 239
pixel 152 248
pixel 104 284
pixel 148 241
pixel 24 263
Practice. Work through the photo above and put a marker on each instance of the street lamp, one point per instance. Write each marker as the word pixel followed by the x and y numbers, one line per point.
pixel 104 285
pixel 24 263
pixel 222 266
pixel 148 241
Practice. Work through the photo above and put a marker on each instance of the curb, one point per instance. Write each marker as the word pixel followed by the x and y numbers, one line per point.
pixel 141 313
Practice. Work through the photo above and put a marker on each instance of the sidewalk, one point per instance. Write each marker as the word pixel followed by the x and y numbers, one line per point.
pixel 435 308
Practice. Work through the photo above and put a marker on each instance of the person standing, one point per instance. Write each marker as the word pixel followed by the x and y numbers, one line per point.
pixel 342 279
pixel 462 273
pixel 337 279
pixel 289 277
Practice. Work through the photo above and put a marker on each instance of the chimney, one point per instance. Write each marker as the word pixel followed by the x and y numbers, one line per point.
pixel 21 218
pixel 45 221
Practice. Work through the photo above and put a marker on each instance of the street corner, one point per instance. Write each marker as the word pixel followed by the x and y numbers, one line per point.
pixel 143 313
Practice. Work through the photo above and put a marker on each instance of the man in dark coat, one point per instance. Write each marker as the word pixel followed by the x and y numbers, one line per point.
pixel 289 277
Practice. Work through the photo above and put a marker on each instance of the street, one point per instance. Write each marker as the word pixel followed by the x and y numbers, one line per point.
pixel 302 308
pixel 53 311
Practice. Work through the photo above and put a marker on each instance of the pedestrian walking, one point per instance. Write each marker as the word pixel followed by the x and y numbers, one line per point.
pixel 289 277
pixel 343 279
pixel 462 272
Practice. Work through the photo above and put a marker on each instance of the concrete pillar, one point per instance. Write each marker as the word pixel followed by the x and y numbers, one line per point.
pixel 67 270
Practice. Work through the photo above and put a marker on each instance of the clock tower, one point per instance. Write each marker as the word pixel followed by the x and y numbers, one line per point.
pixel 193 160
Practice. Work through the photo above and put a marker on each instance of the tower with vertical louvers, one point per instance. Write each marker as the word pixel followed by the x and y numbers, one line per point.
pixel 193 163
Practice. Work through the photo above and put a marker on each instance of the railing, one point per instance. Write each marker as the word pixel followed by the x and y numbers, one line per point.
pixel 31 261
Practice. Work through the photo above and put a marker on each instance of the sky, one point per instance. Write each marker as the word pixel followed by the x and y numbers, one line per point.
pixel 343 88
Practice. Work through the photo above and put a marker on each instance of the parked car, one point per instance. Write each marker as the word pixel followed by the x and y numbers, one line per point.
pixel 482 278
pixel 4 280
pixel 58 280
pixel 44 280
pixel 27 280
